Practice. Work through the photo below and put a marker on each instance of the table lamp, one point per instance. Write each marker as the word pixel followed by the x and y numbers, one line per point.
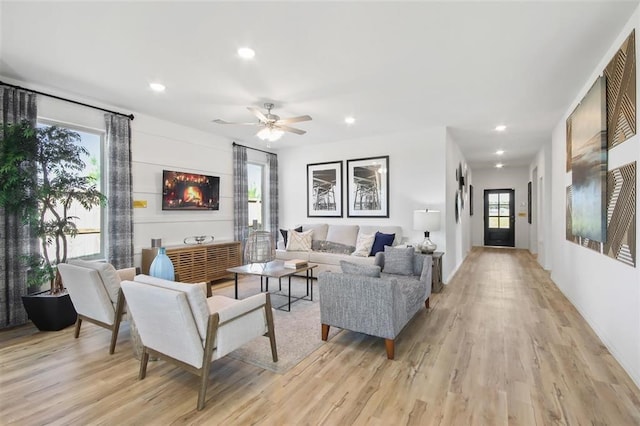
pixel 428 221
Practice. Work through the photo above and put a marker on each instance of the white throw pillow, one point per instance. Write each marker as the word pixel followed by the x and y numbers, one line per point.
pixel 299 241
pixel 364 244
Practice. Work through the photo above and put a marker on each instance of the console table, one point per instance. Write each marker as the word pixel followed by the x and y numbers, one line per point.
pixel 436 273
pixel 196 263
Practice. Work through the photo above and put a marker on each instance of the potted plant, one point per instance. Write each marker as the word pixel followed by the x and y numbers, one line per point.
pixel 41 177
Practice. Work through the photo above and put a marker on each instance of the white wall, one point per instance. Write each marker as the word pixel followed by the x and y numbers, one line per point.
pixel 540 229
pixel 457 233
pixel 605 291
pixel 416 180
pixel 515 178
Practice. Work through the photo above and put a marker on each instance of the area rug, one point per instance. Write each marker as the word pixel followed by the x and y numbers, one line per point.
pixel 297 332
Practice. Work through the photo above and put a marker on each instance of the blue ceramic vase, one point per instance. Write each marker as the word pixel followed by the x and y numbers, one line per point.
pixel 161 267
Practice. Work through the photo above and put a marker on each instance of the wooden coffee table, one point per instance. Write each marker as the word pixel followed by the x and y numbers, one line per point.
pixel 276 269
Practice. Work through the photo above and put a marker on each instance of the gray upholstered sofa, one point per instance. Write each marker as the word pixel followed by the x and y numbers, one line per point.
pixel 330 243
pixel 376 306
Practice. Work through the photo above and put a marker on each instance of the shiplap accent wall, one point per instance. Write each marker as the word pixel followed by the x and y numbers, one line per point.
pixel 160 145
pixel 156 145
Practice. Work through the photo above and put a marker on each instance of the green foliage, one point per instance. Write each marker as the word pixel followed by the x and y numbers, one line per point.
pixel 39 272
pixel 254 192
pixel 40 180
pixel 18 173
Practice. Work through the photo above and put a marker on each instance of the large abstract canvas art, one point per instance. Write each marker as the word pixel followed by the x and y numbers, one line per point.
pixel 589 164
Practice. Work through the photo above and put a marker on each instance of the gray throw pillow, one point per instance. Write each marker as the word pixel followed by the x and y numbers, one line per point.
pixel 398 260
pixel 331 247
pixel 356 269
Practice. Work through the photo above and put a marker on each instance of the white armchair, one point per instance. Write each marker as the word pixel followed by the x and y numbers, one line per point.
pixel 94 288
pixel 178 323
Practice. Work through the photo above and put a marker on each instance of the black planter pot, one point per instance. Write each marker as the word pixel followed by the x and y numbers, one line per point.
pixel 50 312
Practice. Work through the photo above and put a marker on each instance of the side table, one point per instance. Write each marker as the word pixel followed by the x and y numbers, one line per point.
pixel 436 274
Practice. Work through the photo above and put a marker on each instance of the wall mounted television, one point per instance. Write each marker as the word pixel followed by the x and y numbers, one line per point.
pixel 190 191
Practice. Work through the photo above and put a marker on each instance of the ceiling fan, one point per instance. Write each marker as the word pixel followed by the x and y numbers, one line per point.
pixel 273 127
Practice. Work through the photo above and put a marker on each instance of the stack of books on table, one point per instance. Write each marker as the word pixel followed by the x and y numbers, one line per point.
pixel 294 263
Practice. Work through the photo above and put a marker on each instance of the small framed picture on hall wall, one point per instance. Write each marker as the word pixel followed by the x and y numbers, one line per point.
pixel 368 187
pixel 529 217
pixel 324 189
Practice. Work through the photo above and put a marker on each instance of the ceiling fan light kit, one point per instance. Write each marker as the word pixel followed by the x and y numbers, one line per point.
pixel 270 134
pixel 273 127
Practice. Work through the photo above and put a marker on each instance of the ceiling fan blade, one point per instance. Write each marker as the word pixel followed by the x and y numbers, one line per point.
pixel 290 129
pixel 258 114
pixel 294 119
pixel 219 121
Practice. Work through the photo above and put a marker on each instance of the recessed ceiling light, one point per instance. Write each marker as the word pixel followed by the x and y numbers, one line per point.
pixel 157 87
pixel 501 128
pixel 499 165
pixel 349 120
pixel 499 152
pixel 246 53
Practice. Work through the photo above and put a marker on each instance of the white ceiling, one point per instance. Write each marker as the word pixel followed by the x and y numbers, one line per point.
pixel 396 66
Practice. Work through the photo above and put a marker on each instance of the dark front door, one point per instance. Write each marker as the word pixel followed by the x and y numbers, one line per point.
pixel 499 217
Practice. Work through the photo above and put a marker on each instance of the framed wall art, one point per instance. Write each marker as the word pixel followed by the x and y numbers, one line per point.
pixel 368 187
pixel 529 218
pixel 324 189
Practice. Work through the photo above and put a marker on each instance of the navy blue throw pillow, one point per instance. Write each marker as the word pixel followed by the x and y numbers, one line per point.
pixel 381 241
pixel 285 234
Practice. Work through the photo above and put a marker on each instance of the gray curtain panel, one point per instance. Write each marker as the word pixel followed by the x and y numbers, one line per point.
pixel 240 194
pixel 272 161
pixel 119 203
pixel 15 240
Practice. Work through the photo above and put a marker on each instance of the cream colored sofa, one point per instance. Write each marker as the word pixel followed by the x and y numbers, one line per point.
pixel 346 235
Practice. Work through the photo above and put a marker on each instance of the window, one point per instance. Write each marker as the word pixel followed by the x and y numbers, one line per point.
pixel 89 242
pixel 499 211
pixel 255 175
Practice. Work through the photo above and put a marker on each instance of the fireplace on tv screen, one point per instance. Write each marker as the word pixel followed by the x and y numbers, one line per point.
pixel 190 191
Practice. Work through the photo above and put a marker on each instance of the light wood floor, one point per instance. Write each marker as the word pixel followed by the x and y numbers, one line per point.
pixel 500 345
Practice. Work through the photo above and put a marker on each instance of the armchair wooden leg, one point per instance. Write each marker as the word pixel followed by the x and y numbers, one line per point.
pixel 114 336
pixel 204 380
pixel 391 347
pixel 116 324
pixel 144 359
pixel 271 328
pixel 426 303
pixel 78 324
pixel 325 332
pixel 209 346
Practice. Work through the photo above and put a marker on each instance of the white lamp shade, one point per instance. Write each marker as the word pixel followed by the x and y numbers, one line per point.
pixel 426 220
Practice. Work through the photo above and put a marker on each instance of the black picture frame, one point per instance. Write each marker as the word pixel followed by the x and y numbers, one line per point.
pixel 529 218
pixel 368 187
pixel 470 200
pixel 324 189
